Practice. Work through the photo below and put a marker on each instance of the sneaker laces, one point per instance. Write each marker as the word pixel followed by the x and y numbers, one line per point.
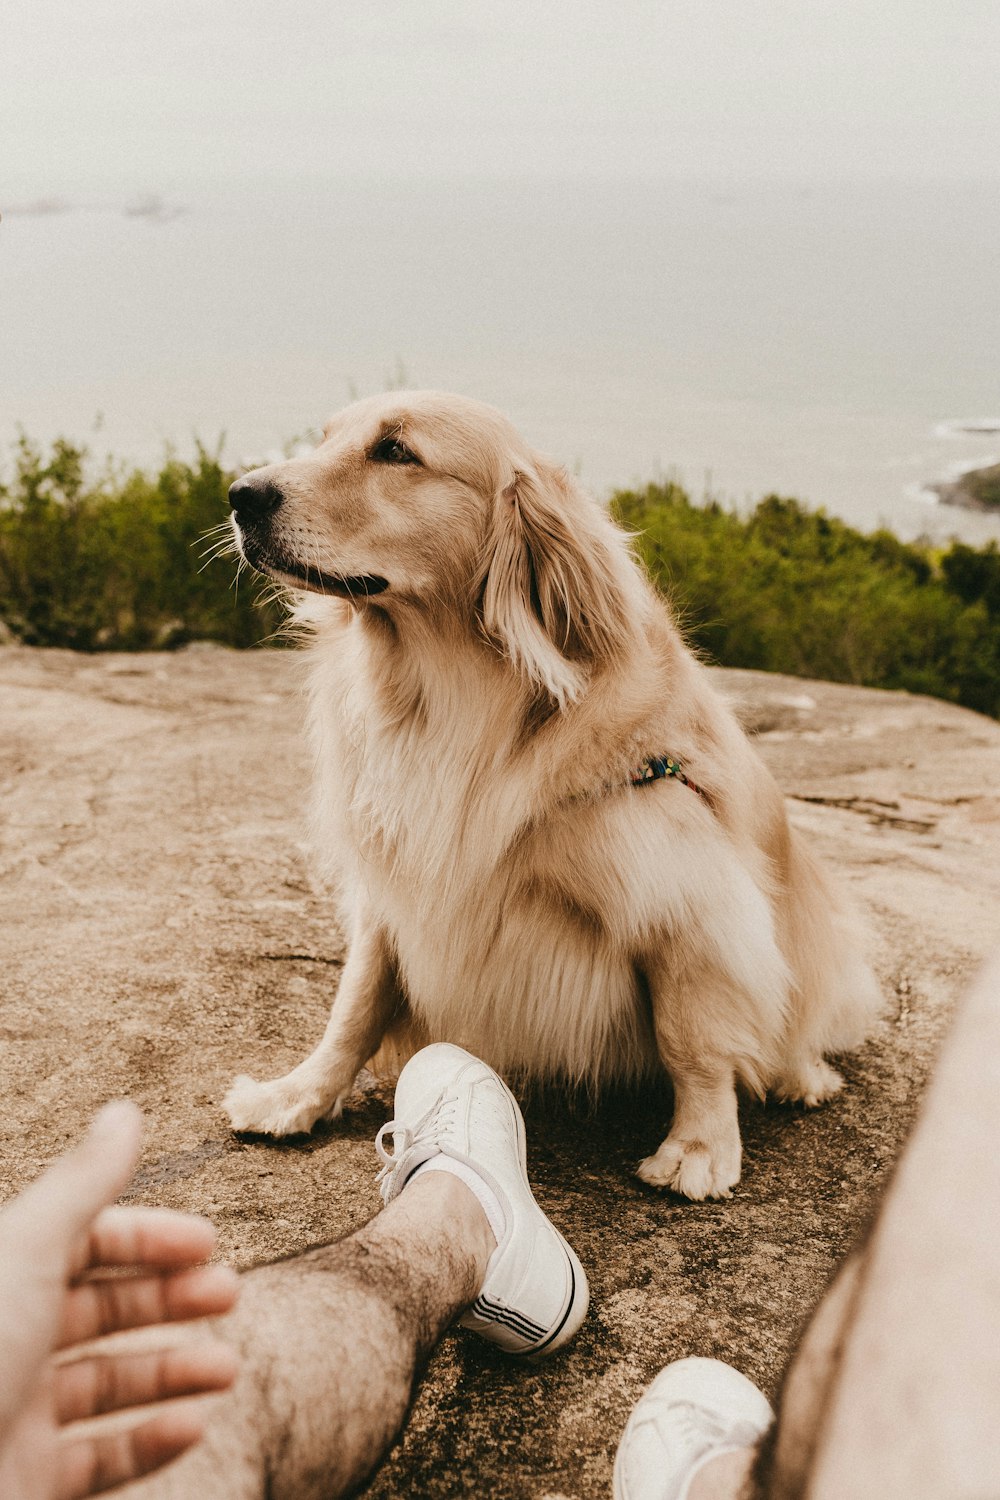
pixel 427 1131
pixel 696 1425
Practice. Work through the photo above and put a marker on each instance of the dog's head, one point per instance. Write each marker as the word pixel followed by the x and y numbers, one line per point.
pixel 430 502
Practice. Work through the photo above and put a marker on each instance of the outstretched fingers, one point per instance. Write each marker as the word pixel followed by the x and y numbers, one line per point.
pixel 152 1237
pixel 91 1464
pixel 99 1383
pixel 109 1304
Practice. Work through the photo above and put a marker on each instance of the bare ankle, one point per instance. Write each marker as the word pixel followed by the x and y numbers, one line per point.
pixel 440 1197
pixel 724 1477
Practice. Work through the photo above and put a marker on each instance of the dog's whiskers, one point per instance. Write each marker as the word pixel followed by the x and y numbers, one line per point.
pixel 235 585
pixel 217 541
pixel 213 553
pixel 316 566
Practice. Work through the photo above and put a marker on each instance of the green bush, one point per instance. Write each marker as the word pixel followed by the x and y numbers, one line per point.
pixel 797 591
pixel 113 562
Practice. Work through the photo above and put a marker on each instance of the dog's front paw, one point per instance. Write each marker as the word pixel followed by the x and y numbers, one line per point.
pixel 281 1107
pixel 692 1169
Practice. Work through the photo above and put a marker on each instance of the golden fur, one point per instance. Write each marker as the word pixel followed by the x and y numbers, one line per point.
pixel 475 723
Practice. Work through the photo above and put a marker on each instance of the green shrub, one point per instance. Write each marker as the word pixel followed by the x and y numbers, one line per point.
pixel 797 591
pixel 113 562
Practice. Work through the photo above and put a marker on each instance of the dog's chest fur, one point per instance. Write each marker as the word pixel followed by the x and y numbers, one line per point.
pixel 431 823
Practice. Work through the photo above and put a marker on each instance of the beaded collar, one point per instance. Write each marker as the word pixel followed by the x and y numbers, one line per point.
pixel 657 767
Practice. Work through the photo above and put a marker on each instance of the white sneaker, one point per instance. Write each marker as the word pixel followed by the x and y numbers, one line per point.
pixel 695 1410
pixel 535 1294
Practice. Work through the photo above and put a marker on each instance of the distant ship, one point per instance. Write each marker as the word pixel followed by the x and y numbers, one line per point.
pixel 975 425
pixel 151 206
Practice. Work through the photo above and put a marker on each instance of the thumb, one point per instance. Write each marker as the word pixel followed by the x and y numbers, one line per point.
pixel 60 1205
pixel 39 1233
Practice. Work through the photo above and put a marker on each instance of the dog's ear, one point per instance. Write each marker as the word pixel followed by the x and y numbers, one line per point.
pixel 553 597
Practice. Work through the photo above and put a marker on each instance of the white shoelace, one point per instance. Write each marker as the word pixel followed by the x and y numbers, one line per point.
pixel 699 1426
pixel 427 1131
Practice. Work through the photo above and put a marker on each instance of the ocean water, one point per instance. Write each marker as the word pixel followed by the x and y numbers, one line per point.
pixel 827 342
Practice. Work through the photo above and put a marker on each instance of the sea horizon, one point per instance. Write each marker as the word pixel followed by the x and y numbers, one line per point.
pixel 829 340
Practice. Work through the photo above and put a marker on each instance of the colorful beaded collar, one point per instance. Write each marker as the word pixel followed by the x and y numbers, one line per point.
pixel 658 767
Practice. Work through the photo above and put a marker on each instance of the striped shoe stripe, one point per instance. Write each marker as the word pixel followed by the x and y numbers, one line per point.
pixel 517 1322
pixel 505 1311
pixel 511 1320
pixel 530 1339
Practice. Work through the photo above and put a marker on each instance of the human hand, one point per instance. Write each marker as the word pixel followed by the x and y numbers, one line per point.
pixel 72 1269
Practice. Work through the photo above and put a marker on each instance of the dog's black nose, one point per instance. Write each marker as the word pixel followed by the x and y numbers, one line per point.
pixel 254 499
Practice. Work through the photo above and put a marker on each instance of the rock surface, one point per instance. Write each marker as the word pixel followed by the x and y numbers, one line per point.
pixel 161 933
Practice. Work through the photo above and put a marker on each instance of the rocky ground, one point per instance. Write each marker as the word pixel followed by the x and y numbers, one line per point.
pixel 160 932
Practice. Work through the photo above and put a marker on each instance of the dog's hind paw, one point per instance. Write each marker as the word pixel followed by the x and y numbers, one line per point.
pixel 810 1085
pixel 277 1108
pixel 691 1169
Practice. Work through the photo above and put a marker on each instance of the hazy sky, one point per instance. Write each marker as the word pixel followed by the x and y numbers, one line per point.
pixel 153 94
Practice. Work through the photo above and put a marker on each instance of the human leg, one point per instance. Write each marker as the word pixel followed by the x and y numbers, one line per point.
pixel 331 1340
pixel 915 1405
pixel 330 1343
pixel 895 1388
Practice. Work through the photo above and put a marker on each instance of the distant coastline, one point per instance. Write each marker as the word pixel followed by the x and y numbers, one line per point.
pixel 667 375
pixel 976 489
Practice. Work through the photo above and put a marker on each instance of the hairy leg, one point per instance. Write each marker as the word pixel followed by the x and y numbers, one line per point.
pixel 331 1341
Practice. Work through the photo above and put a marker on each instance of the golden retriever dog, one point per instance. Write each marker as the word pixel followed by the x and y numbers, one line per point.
pixel 554 844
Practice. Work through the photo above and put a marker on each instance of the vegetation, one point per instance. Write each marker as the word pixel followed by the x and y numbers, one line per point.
pixel 113 562
pixel 792 590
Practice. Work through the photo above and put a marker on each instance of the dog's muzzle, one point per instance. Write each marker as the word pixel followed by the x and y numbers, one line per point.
pixel 253 504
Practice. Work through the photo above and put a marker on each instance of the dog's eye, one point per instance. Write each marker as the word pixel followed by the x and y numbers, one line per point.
pixel 391 451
